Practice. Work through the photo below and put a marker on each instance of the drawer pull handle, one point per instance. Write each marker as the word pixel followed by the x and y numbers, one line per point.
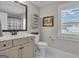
pixel 4 45
pixel 21 48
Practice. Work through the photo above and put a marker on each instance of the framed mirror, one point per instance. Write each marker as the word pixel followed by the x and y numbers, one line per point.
pixel 13 16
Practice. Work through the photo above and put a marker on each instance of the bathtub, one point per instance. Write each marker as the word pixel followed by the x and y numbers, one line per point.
pixel 57 53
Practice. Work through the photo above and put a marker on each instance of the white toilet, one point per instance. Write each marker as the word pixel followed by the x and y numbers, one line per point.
pixel 42 46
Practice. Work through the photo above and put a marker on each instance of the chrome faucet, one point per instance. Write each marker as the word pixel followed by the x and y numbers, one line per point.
pixel 13 32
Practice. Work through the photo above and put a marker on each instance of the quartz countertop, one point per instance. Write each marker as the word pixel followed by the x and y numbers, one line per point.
pixel 12 37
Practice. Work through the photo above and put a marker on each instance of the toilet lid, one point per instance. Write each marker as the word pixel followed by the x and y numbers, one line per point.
pixel 42 43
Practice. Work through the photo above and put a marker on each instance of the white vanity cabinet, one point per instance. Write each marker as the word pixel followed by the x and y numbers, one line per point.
pixel 5 44
pixel 19 48
pixel 10 53
pixel 26 49
pixel 6 49
pixel 29 48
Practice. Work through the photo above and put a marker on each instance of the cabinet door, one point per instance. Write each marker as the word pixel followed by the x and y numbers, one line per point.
pixel 28 50
pixel 10 53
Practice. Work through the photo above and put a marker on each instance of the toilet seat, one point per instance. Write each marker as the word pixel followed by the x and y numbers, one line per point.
pixel 42 45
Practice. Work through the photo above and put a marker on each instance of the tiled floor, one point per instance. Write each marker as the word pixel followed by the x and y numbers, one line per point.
pixel 56 53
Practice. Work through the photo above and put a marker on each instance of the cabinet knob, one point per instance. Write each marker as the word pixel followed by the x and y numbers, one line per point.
pixel 4 45
pixel 21 47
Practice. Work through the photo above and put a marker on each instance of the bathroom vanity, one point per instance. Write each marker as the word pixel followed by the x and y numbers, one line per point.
pixel 17 46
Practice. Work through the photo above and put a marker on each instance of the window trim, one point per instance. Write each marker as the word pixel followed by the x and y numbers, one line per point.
pixel 66 36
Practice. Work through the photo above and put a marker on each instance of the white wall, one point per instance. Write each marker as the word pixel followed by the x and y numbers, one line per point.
pixel 66 45
pixel 31 9
pixel 49 10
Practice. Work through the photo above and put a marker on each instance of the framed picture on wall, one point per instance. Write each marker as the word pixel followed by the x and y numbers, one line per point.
pixel 48 21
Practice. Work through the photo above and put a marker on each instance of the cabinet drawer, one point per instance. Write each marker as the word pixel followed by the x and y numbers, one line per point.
pixel 5 44
pixel 20 41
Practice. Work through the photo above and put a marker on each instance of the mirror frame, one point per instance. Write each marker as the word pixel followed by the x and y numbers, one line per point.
pixel 25 18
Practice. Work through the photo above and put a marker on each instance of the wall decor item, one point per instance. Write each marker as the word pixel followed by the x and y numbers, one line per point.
pixel 48 21
pixel 35 23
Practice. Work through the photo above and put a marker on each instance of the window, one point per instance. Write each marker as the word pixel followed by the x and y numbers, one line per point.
pixel 15 24
pixel 68 21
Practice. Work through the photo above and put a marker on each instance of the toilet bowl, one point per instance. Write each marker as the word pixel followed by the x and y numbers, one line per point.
pixel 42 46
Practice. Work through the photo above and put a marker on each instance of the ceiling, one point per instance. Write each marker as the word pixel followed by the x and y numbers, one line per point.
pixel 42 3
